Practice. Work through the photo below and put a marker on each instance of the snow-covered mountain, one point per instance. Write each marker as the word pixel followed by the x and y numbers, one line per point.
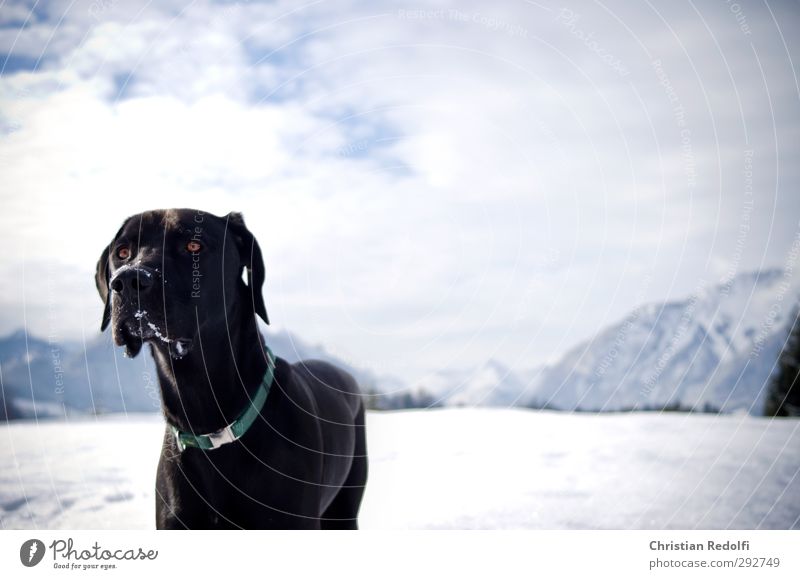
pixel 713 351
pixel 492 384
pixel 46 378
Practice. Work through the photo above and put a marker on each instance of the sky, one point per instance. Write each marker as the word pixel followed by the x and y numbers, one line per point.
pixel 432 184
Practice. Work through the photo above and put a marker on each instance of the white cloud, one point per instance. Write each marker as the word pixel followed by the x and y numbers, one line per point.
pixel 428 187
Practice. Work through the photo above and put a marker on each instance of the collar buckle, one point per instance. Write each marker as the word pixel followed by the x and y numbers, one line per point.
pixel 222 437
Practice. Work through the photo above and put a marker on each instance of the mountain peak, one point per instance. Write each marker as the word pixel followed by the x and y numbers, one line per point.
pixel 496 366
pixel 691 352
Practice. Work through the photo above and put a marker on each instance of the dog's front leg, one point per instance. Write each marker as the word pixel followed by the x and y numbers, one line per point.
pixel 178 504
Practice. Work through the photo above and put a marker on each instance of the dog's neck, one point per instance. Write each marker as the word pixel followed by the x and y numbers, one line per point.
pixel 209 387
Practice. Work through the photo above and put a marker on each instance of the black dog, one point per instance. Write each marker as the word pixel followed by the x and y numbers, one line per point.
pixel 251 440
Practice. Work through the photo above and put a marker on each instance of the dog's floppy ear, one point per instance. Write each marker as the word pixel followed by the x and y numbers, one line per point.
pixel 250 258
pixel 101 278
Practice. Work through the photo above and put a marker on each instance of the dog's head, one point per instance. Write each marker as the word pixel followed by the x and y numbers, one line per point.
pixel 168 273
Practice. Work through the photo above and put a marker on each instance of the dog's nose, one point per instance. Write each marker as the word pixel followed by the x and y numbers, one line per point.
pixel 132 279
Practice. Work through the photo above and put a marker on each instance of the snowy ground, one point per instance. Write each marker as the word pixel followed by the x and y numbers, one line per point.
pixel 455 468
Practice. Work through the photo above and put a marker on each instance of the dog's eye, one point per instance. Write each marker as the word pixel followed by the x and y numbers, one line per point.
pixel 193 247
pixel 123 252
